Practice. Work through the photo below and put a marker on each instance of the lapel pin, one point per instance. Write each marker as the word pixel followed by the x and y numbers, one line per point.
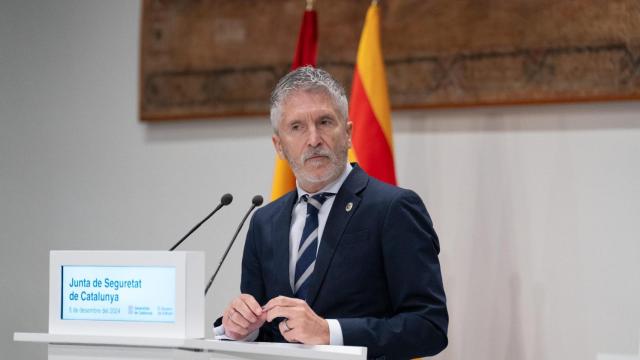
pixel 349 206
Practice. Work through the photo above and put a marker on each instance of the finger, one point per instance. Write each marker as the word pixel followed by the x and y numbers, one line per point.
pixel 228 310
pixel 238 319
pixel 225 316
pixel 290 336
pixel 252 303
pixel 286 332
pixel 233 330
pixel 283 327
pixel 241 307
pixel 263 317
pixel 282 301
pixel 289 312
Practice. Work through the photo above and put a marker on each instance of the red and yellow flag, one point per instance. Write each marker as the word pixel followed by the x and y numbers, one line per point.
pixel 306 54
pixel 369 110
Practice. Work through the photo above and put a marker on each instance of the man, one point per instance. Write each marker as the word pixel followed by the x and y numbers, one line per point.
pixel 345 259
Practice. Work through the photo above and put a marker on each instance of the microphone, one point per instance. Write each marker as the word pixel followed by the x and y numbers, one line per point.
pixel 224 200
pixel 255 202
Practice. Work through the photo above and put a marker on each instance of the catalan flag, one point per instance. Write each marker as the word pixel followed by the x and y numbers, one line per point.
pixel 306 54
pixel 369 109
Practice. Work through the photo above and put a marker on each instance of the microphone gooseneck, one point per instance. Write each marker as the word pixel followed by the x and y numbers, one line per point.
pixel 255 202
pixel 224 200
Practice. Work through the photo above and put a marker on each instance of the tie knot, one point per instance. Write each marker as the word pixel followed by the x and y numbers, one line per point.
pixel 316 200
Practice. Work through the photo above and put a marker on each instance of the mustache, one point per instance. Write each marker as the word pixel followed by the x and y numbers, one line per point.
pixel 317 152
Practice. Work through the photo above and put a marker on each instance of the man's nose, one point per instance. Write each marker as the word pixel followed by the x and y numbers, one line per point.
pixel 315 139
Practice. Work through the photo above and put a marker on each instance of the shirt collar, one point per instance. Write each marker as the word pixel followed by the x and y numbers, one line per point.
pixel 331 188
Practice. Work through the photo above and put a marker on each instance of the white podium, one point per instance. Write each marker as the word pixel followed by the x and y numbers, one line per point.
pixel 117 305
pixel 92 347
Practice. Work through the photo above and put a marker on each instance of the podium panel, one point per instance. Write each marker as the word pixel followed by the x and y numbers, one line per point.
pixel 156 293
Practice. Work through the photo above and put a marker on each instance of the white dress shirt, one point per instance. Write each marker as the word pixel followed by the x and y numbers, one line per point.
pixel 298 217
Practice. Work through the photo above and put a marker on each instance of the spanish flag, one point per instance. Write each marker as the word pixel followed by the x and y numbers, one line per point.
pixel 370 112
pixel 306 54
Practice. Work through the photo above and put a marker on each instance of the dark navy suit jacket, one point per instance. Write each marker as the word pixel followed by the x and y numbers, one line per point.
pixel 377 270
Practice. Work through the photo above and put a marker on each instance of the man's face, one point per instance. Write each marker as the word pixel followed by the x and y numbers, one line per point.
pixel 313 137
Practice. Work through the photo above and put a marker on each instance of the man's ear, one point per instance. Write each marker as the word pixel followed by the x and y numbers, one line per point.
pixel 349 131
pixel 278 146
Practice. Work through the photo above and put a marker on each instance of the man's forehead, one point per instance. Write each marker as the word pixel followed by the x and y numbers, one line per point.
pixel 320 94
pixel 292 102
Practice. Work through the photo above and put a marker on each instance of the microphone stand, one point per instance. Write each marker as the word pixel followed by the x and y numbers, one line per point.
pixel 256 201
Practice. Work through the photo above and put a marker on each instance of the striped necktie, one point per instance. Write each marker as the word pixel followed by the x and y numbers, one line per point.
pixel 308 244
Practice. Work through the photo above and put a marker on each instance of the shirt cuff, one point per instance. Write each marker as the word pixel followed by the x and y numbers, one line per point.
pixel 218 334
pixel 335 332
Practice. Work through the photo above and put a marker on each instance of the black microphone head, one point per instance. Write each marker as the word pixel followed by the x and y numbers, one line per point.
pixel 257 200
pixel 226 199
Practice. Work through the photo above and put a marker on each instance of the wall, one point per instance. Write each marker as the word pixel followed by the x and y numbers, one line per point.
pixel 536 206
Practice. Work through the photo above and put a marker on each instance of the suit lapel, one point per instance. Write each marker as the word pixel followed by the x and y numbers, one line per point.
pixel 280 233
pixel 337 221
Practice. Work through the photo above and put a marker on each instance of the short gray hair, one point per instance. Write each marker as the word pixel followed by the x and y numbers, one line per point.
pixel 307 78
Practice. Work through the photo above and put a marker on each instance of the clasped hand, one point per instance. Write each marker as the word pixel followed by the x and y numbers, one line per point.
pixel 244 315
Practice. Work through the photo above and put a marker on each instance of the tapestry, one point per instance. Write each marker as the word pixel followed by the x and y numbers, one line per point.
pixel 212 58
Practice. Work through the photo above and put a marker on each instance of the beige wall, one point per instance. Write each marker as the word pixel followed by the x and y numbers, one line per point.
pixel 537 206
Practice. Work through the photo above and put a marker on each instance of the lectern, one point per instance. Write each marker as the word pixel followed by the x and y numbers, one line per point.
pixel 144 305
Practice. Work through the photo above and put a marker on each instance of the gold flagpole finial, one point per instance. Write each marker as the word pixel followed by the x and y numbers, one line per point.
pixel 374 2
pixel 309 5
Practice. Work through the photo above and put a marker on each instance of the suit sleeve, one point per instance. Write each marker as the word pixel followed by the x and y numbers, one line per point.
pixel 418 323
